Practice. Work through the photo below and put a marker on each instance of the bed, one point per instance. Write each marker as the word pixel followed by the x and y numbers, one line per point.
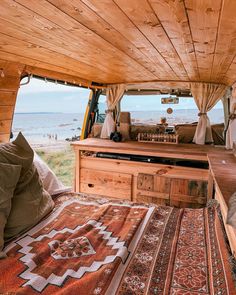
pixel 95 246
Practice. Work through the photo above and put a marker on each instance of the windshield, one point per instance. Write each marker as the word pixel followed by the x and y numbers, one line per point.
pixel 148 109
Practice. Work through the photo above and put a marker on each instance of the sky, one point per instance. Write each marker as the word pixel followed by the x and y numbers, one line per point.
pixel 39 96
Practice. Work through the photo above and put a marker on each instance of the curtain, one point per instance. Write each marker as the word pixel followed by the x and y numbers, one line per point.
pixel 226 107
pixel 231 131
pixel 206 95
pixel 114 94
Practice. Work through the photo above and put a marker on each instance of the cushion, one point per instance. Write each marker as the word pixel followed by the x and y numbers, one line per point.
pixel 50 182
pixel 30 202
pixel 9 176
pixel 231 215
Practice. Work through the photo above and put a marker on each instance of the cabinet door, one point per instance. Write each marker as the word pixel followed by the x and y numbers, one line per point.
pixel 153 189
pixel 186 193
pixel 105 183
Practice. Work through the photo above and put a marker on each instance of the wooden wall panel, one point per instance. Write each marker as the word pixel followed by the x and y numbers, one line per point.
pixel 9 85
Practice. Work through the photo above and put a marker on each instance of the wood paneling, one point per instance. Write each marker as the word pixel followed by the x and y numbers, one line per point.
pixel 9 85
pixel 117 185
pixel 123 41
pixel 188 193
pixel 153 189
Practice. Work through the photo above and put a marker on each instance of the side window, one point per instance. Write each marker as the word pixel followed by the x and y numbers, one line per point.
pixel 101 109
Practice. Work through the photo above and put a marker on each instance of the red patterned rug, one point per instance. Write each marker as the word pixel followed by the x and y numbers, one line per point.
pixel 97 246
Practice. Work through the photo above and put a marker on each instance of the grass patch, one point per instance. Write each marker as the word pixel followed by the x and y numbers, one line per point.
pixel 62 163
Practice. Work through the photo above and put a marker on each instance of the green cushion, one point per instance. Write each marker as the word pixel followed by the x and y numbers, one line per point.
pixel 9 176
pixel 30 202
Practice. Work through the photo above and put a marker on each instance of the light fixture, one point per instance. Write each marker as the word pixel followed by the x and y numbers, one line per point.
pixel 2 73
pixel 19 72
pixel 46 80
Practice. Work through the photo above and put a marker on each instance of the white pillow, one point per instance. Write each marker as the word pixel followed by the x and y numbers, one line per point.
pixel 50 182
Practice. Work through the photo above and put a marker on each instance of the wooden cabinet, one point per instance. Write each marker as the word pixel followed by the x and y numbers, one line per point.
pixel 139 181
pixel 176 192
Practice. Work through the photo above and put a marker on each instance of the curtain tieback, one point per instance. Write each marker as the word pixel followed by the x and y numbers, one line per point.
pixel 201 114
pixel 232 116
pixel 108 111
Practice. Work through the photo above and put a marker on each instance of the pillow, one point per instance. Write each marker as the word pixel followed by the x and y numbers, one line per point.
pixel 9 176
pixel 50 182
pixel 231 215
pixel 30 202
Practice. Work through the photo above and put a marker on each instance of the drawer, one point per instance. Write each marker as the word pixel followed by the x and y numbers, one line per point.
pixel 110 184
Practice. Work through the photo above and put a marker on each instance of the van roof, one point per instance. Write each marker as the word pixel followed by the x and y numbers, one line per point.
pixel 120 41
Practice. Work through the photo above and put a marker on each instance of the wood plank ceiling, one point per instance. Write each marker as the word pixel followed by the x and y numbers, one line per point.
pixel 115 41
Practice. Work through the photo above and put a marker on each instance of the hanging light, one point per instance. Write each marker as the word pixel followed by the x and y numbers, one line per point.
pixel 2 73
pixel 46 80
pixel 65 83
pixel 19 72
pixel 55 81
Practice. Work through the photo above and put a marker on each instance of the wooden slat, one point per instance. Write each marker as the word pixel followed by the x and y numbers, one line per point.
pixel 116 185
pixel 86 16
pixel 173 17
pixel 6 112
pixel 231 232
pixel 117 19
pixel 4 138
pixel 203 19
pixel 188 193
pixel 106 179
pixel 150 26
pixel 226 42
pixel 7 98
pixel 91 48
pixel 5 126
pixel 23 48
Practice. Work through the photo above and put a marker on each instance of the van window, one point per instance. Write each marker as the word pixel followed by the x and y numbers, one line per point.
pixel 148 109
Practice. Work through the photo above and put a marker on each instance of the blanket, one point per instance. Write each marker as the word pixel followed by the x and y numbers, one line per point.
pixel 100 246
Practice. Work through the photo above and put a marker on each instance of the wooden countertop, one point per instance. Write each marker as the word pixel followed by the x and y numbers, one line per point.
pixel 182 151
pixel 223 168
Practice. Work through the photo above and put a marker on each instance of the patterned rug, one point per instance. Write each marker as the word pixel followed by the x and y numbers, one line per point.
pixel 97 246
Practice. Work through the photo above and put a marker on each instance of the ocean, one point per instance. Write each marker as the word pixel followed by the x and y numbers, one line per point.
pixel 41 127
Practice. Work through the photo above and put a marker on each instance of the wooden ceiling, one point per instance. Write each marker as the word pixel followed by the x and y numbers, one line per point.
pixel 116 41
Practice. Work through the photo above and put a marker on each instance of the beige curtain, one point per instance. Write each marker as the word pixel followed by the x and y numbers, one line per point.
pixel 114 94
pixel 231 131
pixel 206 95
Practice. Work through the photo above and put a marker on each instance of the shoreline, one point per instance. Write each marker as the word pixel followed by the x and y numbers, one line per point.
pixel 50 146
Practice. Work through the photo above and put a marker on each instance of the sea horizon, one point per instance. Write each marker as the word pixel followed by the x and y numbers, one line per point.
pixel 43 126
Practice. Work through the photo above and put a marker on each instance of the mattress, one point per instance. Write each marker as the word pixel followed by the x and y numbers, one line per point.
pixel 101 246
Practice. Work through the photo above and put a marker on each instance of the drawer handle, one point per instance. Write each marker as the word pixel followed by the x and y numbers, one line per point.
pixel 90 185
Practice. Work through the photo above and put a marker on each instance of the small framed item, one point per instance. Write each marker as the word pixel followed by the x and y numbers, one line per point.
pixel 158 138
